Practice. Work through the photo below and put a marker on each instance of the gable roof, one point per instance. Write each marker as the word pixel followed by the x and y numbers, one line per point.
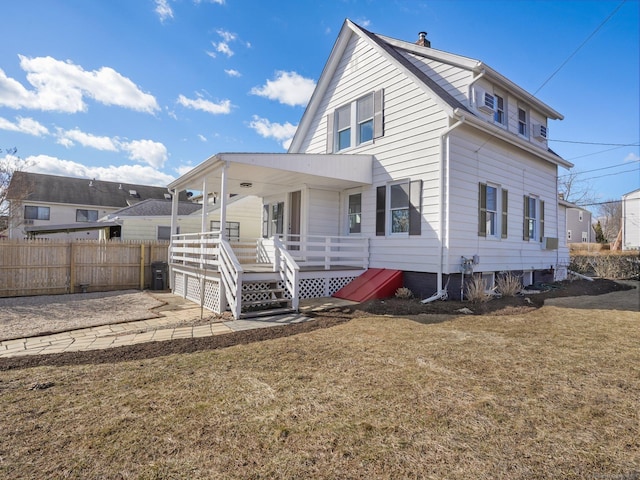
pixel 396 51
pixel 38 187
pixel 155 208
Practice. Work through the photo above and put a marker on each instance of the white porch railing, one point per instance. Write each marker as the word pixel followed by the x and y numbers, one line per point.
pixel 206 251
pixel 328 252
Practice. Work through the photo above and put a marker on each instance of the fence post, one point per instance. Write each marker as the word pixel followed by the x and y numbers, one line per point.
pixel 72 268
pixel 142 266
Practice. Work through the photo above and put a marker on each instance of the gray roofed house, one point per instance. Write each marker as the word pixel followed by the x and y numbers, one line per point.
pixel 45 201
pixel 152 207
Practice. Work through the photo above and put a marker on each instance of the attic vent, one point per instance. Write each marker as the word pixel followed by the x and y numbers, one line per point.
pixel 485 102
pixel 167 196
pixel 539 132
pixel 134 193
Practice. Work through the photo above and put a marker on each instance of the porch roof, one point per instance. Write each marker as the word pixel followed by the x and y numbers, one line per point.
pixel 264 174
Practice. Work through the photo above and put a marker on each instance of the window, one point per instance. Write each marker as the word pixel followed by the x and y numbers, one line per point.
pixel 36 213
pixel 343 120
pixel 580 216
pixel 568 234
pixel 493 204
pixel 499 116
pixel 398 208
pixel 365 119
pixel 164 233
pixel 533 219
pixel 272 219
pixel 356 123
pixel 355 213
pixel 585 237
pixel 86 215
pixel 232 229
pixel 522 122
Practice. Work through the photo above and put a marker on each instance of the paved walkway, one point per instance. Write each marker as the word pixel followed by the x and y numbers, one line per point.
pixel 175 312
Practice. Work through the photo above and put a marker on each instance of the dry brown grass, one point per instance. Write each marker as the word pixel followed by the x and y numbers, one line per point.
pixel 550 394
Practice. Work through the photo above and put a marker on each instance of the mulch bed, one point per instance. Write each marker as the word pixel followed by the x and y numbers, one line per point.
pixel 330 318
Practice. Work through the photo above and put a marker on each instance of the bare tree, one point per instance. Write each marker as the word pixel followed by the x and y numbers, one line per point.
pixel 9 164
pixel 610 215
pixel 575 190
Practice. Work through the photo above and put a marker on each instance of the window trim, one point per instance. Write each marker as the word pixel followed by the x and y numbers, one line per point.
pixel 228 227
pixel 377 119
pixel 500 98
pixel 383 209
pixel 358 214
pixel 88 220
pixel 538 220
pixel 523 124
pixel 38 209
pixel 501 230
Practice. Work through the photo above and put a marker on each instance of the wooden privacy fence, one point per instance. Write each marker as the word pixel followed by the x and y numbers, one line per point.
pixel 47 267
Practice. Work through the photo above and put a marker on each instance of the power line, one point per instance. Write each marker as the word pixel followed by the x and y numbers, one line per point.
pixel 580 46
pixel 594 170
pixel 597 143
pixel 611 174
pixel 597 203
pixel 594 153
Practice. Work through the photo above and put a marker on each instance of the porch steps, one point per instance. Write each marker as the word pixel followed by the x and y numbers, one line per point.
pixel 261 299
pixel 374 283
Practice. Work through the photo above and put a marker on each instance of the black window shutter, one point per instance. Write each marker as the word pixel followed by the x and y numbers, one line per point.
pixel 381 204
pixel 482 210
pixel 330 132
pixel 415 207
pixel 505 216
pixel 378 113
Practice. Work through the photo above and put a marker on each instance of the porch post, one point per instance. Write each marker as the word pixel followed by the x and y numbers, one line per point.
pixel 223 201
pixel 174 212
pixel 205 204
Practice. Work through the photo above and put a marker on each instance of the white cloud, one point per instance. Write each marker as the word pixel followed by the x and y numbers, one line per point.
pixel 140 174
pixel 222 107
pixel 281 132
pixel 202 137
pixel 232 73
pixel 223 47
pixel 147 151
pixel 182 169
pixel 226 36
pixel 63 86
pixel 24 125
pixel 164 10
pixel 289 88
pixel 363 22
pixel 68 137
pixel 632 157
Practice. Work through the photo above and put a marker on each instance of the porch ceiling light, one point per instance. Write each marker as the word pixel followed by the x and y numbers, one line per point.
pixel 246 184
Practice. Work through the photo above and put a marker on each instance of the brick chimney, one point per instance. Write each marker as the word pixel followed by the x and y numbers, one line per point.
pixel 422 40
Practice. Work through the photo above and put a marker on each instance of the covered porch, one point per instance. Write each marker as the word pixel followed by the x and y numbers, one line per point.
pixel 291 261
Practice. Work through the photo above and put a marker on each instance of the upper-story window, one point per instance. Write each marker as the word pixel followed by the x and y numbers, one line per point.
pixel 36 213
pixel 83 215
pixel 523 122
pixel 499 116
pixel 356 123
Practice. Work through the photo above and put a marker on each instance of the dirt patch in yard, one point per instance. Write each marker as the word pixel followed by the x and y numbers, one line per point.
pixel 424 313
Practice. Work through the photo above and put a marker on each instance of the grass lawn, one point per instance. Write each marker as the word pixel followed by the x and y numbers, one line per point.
pixel 554 393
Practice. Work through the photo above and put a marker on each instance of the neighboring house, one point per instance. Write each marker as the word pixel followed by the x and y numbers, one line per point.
pixel 631 220
pixel 579 226
pixel 408 159
pixel 151 219
pixel 52 206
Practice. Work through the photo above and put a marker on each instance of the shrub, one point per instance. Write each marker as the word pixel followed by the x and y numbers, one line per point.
pixel 474 290
pixel 606 264
pixel 508 285
pixel 404 293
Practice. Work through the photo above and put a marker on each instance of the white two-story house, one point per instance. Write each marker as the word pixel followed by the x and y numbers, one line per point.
pixel 408 159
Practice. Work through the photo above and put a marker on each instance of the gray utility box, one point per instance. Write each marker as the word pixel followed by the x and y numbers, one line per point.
pixel 159 275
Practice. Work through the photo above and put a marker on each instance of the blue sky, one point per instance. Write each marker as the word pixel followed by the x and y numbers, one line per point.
pixel 143 90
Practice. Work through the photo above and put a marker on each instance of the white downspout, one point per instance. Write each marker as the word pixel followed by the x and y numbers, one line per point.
pixel 444 166
pixel 174 228
pixel 205 205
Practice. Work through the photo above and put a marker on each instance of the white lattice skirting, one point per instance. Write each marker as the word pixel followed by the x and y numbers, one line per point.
pixel 189 286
